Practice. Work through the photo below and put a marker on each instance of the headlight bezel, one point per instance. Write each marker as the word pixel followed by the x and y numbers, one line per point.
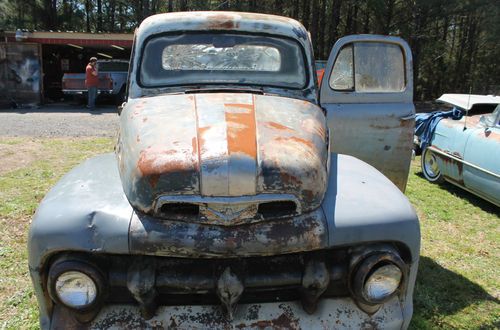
pixel 61 267
pixel 366 267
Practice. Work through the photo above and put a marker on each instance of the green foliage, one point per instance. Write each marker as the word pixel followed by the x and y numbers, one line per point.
pixel 457 285
pixel 454 43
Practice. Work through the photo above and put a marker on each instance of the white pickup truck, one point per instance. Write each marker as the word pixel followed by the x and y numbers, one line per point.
pixel 112 80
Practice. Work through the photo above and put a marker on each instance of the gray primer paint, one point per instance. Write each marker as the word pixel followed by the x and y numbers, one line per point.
pixel 88 211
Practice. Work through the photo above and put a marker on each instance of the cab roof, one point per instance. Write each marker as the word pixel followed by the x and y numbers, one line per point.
pixel 220 21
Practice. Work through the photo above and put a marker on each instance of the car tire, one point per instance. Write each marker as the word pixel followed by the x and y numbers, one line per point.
pixel 430 167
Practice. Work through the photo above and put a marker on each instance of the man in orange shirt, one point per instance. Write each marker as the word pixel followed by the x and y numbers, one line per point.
pixel 91 82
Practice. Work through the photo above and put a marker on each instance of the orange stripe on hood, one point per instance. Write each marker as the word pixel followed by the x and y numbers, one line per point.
pixel 241 129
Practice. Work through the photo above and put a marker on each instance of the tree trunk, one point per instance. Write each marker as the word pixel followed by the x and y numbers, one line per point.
pixel 334 23
pixel 183 5
pixel 99 15
pixel 306 11
pixel 322 30
pixel 87 14
pixel 296 9
pixel 315 26
pixel 112 11
pixel 388 16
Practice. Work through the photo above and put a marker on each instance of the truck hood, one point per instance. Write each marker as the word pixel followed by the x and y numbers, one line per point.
pixel 230 155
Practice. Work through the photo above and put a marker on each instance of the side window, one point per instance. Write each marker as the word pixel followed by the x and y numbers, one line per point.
pixel 369 67
pixel 343 79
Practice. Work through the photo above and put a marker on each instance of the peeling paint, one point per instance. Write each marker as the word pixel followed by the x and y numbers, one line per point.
pixel 224 144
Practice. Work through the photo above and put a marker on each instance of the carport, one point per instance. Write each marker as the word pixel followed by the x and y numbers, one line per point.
pixel 32 63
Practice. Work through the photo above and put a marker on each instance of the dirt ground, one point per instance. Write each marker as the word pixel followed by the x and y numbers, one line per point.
pixel 59 120
pixel 15 155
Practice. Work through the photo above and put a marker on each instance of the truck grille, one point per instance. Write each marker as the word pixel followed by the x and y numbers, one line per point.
pixel 226 210
pixel 181 281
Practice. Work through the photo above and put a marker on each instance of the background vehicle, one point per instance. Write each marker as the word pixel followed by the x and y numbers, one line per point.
pixel 112 80
pixel 450 106
pixel 465 152
pixel 226 203
pixel 320 70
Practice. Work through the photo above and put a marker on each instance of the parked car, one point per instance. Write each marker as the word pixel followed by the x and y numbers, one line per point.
pixel 112 80
pixel 320 70
pixel 226 203
pixel 451 106
pixel 466 152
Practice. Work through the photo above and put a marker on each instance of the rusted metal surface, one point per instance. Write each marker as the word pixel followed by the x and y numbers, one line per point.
pixel 383 141
pixel 377 126
pixel 225 21
pixel 222 145
pixel 233 180
pixel 331 313
pixel 85 211
pixel 153 236
pixel 464 150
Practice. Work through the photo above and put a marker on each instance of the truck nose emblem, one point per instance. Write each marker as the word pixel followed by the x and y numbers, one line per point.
pixel 229 290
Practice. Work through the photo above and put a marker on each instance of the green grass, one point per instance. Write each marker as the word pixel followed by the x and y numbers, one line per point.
pixel 20 192
pixel 458 285
pixel 458 281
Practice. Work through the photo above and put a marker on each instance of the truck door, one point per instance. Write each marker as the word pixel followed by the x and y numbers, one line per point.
pixel 367 93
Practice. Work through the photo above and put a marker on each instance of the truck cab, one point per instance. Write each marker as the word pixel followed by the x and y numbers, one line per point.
pixel 241 193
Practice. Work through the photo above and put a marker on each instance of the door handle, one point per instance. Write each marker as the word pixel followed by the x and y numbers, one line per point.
pixel 409 117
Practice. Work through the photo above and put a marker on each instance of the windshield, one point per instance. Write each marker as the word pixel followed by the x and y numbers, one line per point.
pixel 222 58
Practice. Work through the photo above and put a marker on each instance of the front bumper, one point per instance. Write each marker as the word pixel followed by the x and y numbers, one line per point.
pixel 331 313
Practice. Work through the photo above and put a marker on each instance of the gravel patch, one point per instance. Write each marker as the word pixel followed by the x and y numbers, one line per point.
pixel 59 120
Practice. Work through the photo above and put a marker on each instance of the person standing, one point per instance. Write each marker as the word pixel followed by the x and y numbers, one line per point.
pixel 91 82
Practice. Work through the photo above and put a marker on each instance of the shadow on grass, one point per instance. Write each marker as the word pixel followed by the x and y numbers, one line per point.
pixel 440 292
pixel 464 194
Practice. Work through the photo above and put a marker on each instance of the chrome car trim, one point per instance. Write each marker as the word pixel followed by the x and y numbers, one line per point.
pixel 434 149
pixel 261 198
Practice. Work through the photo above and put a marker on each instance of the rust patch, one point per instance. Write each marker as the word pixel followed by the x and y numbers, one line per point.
pixel 278 126
pixel 153 180
pixel 289 179
pixel 490 135
pixel 309 194
pixel 194 145
pixel 314 127
pixel 241 130
pixel 222 22
pixel 284 321
pixel 297 140
pixel 154 163
pixel 202 140
pixel 450 162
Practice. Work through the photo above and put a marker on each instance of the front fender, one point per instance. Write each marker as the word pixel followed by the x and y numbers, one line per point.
pixel 362 205
pixel 86 211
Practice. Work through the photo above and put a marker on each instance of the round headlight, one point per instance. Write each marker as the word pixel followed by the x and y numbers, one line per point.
pixel 75 289
pixel 382 283
pixel 76 284
pixel 376 278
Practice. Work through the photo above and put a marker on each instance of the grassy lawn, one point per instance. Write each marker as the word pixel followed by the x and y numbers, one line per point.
pixel 459 278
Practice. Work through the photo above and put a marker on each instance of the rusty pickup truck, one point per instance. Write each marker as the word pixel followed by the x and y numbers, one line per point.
pixel 241 194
